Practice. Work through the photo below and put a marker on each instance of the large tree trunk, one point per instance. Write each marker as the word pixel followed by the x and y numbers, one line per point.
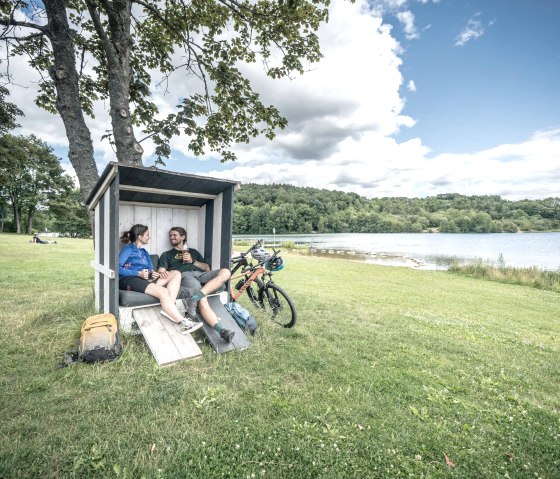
pixel 117 45
pixel 30 216
pixel 17 215
pixel 65 78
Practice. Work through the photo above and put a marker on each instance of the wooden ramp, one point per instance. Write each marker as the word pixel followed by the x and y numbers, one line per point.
pixel 164 338
pixel 240 340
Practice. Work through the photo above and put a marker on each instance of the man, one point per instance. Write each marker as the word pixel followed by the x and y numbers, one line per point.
pixel 197 279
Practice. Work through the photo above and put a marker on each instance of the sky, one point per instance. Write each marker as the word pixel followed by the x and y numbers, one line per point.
pixel 412 98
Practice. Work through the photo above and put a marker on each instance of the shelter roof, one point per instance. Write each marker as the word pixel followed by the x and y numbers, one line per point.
pixel 152 185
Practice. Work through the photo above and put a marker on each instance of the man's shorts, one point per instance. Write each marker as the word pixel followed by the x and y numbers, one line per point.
pixel 133 283
pixel 202 276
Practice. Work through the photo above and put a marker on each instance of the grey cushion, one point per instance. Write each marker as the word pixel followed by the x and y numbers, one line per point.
pixel 132 299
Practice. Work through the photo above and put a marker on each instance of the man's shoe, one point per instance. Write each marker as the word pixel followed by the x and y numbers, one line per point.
pixel 188 327
pixel 227 335
pixel 191 308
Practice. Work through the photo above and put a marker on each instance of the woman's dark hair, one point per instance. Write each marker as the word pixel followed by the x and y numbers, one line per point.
pixel 180 230
pixel 131 235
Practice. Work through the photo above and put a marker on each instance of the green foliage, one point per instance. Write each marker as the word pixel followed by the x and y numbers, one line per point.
pixel 205 41
pixel 385 381
pixel 8 112
pixel 290 209
pixel 32 182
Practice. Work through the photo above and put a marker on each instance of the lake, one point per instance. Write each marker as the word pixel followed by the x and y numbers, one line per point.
pixel 432 250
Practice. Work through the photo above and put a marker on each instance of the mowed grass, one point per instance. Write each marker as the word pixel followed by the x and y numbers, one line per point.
pixel 390 372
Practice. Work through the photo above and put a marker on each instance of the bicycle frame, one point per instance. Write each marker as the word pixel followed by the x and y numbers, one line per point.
pixel 254 275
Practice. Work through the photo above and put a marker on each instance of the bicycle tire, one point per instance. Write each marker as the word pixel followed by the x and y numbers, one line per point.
pixel 278 305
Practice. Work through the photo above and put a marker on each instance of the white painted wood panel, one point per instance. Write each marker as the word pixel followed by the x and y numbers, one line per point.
pixel 160 220
pixel 160 232
pixel 201 232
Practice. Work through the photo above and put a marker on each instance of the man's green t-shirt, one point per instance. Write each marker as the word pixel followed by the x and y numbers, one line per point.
pixel 173 260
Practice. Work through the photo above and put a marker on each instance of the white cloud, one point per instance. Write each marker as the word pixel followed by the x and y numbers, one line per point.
pixel 411 86
pixel 471 31
pixel 379 166
pixel 407 19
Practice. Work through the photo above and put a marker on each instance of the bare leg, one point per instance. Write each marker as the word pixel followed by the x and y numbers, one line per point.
pixel 214 284
pixel 172 282
pixel 207 313
pixel 167 305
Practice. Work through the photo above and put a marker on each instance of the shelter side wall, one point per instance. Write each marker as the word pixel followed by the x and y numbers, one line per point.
pixel 105 259
pixel 227 228
pixel 217 233
pixel 97 256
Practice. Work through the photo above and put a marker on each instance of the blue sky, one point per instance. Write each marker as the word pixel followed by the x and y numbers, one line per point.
pixel 412 98
pixel 498 86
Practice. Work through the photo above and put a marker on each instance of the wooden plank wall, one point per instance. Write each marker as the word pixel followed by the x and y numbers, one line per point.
pixel 159 220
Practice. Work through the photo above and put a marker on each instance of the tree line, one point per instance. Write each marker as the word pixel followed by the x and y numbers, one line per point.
pixel 290 209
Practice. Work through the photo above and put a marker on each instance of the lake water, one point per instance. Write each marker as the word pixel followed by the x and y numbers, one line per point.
pixel 432 250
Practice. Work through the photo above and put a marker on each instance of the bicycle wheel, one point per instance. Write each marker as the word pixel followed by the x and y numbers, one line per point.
pixel 279 306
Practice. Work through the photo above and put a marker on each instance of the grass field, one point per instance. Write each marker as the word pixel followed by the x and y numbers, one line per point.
pixel 390 372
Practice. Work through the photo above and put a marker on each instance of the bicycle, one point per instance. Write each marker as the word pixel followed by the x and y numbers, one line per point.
pixel 261 290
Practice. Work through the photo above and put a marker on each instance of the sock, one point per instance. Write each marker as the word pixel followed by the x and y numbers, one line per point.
pixel 218 327
pixel 198 296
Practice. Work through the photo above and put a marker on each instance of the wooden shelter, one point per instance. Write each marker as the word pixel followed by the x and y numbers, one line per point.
pixel 126 195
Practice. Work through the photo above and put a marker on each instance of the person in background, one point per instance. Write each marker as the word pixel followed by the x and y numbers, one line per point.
pixel 195 272
pixel 136 273
pixel 36 239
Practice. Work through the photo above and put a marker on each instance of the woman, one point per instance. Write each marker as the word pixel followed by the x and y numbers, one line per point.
pixel 137 273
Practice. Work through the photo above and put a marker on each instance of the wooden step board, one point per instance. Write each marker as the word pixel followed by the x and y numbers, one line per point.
pixel 240 340
pixel 164 338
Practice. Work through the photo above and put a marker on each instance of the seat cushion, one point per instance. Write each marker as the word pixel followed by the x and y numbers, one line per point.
pixel 131 299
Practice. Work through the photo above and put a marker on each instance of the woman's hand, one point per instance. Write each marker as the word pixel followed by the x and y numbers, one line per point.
pixel 144 274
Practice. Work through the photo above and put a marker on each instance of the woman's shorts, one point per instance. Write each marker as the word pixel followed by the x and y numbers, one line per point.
pixel 133 283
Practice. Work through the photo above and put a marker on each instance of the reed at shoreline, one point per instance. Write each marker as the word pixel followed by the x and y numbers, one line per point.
pixel 531 276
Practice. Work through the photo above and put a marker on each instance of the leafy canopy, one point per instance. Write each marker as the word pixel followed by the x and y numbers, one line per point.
pixel 206 42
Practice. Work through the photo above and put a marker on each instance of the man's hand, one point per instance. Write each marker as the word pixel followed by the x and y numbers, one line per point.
pixel 162 273
pixel 187 258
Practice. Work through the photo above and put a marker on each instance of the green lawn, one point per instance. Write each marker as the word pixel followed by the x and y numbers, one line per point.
pixel 388 372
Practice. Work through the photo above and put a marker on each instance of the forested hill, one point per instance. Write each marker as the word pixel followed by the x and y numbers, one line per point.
pixel 291 209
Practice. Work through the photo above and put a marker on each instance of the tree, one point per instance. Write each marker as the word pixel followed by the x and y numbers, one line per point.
pixel 30 177
pixel 89 50
pixel 70 214
pixel 8 112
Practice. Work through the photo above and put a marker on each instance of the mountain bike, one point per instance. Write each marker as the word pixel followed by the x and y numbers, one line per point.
pixel 256 280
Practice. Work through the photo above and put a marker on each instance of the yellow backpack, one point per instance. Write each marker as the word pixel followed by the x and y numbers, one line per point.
pixel 99 339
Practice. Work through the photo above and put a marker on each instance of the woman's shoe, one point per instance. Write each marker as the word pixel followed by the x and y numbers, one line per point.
pixel 187 326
